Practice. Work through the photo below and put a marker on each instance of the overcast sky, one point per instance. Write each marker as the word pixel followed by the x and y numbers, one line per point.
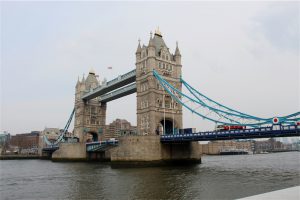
pixel 244 55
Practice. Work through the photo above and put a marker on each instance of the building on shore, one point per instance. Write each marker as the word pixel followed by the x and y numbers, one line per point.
pixel 118 128
pixel 51 133
pixel 25 143
pixel 4 141
pixel 236 147
pixel 271 145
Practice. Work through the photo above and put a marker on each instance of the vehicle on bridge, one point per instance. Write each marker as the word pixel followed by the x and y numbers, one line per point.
pixel 229 127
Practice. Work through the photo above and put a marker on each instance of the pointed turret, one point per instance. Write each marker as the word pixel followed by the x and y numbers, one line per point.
pixel 83 79
pixel 139 48
pixel 78 83
pixel 151 42
pixel 177 52
pixel 151 46
pixel 92 71
pixel 177 55
pixel 138 51
pixel 91 80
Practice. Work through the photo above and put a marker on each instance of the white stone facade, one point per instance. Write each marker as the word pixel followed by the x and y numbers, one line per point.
pixel 154 105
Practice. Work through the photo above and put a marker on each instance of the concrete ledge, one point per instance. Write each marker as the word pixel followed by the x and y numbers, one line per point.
pixel 286 194
pixel 155 163
pixel 70 152
pixel 19 157
pixel 69 159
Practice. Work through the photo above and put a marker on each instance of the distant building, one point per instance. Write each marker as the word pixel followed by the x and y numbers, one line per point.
pixel 118 128
pixel 270 145
pixel 4 138
pixel 25 141
pixel 214 148
pixel 51 133
pixel 4 141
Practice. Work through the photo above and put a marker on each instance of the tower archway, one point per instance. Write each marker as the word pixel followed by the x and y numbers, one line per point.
pixel 92 137
pixel 167 126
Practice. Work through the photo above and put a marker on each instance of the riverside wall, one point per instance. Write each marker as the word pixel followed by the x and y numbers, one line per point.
pixel 135 149
pixel 70 152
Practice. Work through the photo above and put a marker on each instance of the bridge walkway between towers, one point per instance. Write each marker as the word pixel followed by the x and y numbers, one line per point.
pixel 100 146
pixel 264 132
pixel 112 85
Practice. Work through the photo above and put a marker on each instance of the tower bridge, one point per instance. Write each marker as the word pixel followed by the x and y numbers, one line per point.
pixel 157 82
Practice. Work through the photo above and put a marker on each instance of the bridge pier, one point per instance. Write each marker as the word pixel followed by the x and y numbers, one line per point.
pixel 70 152
pixel 149 150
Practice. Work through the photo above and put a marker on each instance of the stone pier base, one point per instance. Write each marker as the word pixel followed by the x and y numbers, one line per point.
pixel 149 149
pixel 70 152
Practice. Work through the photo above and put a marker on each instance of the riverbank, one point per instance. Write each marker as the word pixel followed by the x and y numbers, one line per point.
pixel 287 194
pixel 19 157
pixel 235 177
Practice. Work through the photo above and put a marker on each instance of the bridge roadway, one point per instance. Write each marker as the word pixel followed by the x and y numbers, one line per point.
pixel 112 85
pixel 101 145
pixel 264 132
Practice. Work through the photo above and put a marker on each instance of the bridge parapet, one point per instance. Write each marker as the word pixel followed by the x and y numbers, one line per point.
pixel 263 132
pixel 118 93
pixel 114 84
pixel 101 145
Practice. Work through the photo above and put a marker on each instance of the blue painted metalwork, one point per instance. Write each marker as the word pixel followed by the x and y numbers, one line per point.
pixel 124 91
pixel 264 132
pixel 114 84
pixel 50 148
pixel 226 115
pixel 101 145
pixel 62 134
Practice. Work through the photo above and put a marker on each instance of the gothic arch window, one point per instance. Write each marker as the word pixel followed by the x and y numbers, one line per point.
pixel 167 104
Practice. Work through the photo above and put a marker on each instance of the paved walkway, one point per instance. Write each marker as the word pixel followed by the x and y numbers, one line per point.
pixel 292 193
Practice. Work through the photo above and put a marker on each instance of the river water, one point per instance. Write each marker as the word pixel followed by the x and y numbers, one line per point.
pixel 218 177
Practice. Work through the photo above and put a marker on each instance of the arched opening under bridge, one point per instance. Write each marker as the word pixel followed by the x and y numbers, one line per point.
pixel 167 126
pixel 92 137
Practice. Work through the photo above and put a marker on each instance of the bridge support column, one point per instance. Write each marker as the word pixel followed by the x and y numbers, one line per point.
pixel 90 115
pixel 149 150
pixel 70 152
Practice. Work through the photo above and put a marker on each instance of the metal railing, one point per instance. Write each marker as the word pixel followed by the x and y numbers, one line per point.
pixel 124 90
pixel 263 132
pixel 110 83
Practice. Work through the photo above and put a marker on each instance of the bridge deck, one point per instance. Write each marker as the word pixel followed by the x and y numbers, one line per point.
pixel 265 132
pixel 124 91
pixel 114 84
pixel 100 146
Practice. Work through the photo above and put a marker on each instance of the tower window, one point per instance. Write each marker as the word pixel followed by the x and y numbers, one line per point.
pixel 167 57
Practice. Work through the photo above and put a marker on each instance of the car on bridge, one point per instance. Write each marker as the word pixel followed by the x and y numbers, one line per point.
pixel 229 127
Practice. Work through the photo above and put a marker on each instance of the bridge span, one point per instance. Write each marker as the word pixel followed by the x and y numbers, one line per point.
pixel 157 80
pixel 254 133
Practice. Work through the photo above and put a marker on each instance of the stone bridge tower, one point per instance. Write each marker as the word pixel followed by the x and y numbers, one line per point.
pixel 157 113
pixel 89 123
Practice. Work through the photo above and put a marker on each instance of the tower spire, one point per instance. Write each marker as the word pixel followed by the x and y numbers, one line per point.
pixel 82 81
pixel 139 48
pixel 157 32
pixel 177 52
